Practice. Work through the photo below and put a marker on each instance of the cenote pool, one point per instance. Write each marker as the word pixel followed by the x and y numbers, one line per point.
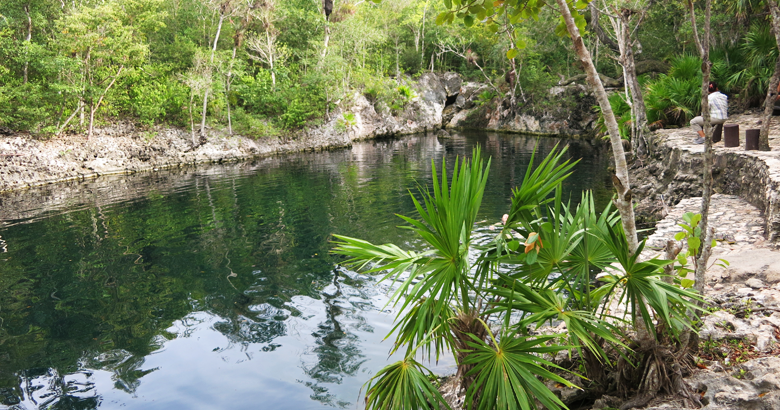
pixel 212 287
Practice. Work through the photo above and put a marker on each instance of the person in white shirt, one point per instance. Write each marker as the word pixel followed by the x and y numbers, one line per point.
pixel 719 112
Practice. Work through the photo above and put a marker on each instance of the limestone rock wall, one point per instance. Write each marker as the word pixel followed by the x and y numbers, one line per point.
pixel 674 172
pixel 123 147
pixel 566 111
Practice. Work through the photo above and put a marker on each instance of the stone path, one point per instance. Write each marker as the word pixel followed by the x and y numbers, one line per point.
pixel 753 175
pixel 746 294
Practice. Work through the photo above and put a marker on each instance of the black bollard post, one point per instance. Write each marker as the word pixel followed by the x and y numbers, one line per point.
pixel 731 135
pixel 751 139
pixel 716 133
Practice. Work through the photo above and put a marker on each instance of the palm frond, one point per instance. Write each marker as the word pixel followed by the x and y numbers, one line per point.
pixel 403 385
pixel 506 374
pixel 647 296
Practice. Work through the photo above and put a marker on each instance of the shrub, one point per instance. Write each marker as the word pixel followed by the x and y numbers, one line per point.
pixel 292 104
pixel 750 77
pixel 252 126
pixel 346 122
pixel 622 112
pixel 675 98
pixel 485 97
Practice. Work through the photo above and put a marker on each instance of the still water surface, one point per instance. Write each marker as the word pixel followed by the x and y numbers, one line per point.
pixel 213 287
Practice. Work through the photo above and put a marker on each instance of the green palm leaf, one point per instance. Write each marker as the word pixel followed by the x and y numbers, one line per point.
pixel 439 279
pixel 647 296
pixel 506 373
pixel 403 385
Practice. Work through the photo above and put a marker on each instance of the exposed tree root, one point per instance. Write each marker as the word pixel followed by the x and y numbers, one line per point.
pixel 658 369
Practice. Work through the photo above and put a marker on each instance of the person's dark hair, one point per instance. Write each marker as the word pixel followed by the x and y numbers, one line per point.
pixel 713 86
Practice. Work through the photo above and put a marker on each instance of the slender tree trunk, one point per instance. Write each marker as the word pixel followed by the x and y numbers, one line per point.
pixel 271 53
pixel 85 79
pixel 206 93
pixel 91 119
pixel 638 102
pixel 620 179
pixel 703 45
pixel 422 37
pixel 192 122
pixel 27 40
pixel 227 90
pixel 397 68
pixel 93 108
pixel 82 103
pixel 327 38
pixel 774 81
pixel 79 108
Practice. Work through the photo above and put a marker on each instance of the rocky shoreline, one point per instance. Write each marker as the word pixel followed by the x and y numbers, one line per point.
pixel 124 148
pixel 442 101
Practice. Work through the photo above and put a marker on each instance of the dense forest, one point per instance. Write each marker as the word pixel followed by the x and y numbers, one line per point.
pixel 266 67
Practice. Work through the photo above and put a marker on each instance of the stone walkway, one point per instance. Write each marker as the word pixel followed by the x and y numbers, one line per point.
pixel 752 175
pixel 746 299
pixel 745 295
pixel 739 232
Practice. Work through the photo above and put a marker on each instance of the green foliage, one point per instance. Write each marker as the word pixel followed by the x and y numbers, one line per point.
pixel 402 96
pixel 292 105
pixel 346 122
pixel 403 385
pixel 485 97
pixel 622 112
pixel 508 373
pixel 749 73
pixel 691 237
pixel 446 218
pixel 643 289
pixel 675 98
pixel 253 126
pixel 76 50
pixel 538 267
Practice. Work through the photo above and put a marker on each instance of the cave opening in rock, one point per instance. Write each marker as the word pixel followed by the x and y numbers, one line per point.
pixel 451 100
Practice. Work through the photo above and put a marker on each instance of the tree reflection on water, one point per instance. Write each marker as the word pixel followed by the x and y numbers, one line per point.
pixel 99 281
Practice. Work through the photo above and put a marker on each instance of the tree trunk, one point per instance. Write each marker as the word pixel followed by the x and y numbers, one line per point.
pixel 93 109
pixel 271 52
pixel 85 78
pixel 638 102
pixel 422 37
pixel 227 90
pixel 774 81
pixel 206 93
pixel 703 45
pixel 27 40
pixel 79 108
pixel 397 68
pixel 327 38
pixel 91 119
pixel 620 180
pixel 192 123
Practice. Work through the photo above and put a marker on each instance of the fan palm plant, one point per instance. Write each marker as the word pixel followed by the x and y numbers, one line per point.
pixel 675 98
pixel 537 269
pixel 759 48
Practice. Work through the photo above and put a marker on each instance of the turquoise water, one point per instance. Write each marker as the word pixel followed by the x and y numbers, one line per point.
pixel 212 287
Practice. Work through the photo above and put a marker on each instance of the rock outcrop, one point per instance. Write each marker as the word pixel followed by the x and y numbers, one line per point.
pixel 566 111
pixel 123 147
